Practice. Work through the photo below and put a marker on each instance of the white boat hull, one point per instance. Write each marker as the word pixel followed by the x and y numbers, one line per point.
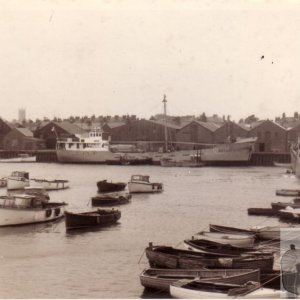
pixel 240 155
pixel 136 187
pixel 234 240
pixel 18 216
pixel 49 184
pixel 183 293
pixel 17 184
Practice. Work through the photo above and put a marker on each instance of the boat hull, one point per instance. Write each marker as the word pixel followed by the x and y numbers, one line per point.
pixel 10 216
pixel 17 184
pixel 91 219
pixel 110 199
pixel 140 187
pixel 161 279
pixel 107 187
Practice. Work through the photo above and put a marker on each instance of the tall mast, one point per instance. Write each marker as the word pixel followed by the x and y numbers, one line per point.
pixel 165 115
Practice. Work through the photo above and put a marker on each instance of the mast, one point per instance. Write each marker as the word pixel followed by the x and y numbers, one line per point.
pixel 165 119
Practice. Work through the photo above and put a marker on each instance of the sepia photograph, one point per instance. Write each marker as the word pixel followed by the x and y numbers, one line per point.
pixel 149 149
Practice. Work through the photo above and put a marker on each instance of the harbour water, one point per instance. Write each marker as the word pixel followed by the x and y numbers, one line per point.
pixel 44 261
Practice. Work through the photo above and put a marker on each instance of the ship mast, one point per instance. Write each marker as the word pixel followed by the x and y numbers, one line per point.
pixel 165 119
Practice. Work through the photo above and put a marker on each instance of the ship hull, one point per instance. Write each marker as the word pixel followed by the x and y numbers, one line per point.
pixel 101 157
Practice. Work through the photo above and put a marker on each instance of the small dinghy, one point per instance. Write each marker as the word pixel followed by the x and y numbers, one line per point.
pixel 142 184
pixel 196 289
pixel 239 240
pixel 225 249
pixel 111 199
pixel 161 279
pixel 284 205
pixel 288 192
pixel 172 258
pixel 107 187
pixel 258 211
pixel 100 217
pixel 292 214
pixel 261 232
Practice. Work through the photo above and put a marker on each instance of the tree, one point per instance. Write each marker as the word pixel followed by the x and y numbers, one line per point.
pixel 296 115
pixel 251 119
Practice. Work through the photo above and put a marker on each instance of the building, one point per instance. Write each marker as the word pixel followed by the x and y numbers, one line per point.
pixel 51 131
pixel 271 137
pixel 146 134
pixel 229 131
pixel 22 115
pixel 195 133
pixel 21 139
pixel 5 128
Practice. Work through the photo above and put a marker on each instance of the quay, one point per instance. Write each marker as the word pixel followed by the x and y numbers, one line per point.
pixel 257 158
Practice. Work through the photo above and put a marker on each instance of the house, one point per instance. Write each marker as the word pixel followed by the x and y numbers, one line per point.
pixel 51 131
pixel 229 131
pixel 5 128
pixel 196 132
pixel 293 134
pixel 22 139
pixel 271 136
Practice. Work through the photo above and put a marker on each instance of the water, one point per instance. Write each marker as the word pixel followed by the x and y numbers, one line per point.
pixel 43 261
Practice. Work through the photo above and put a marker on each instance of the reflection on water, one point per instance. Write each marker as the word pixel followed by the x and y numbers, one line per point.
pixel 45 261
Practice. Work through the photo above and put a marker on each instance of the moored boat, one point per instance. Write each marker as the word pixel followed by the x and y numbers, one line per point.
pixel 289 213
pixel 288 192
pixel 219 249
pixel 107 187
pixel 240 240
pixel 282 165
pixel 161 279
pixel 230 230
pixel 22 209
pixel 55 184
pixel 111 199
pixel 100 217
pixel 141 184
pixel 284 205
pixel 191 163
pixel 196 289
pixel 172 258
pixel 18 180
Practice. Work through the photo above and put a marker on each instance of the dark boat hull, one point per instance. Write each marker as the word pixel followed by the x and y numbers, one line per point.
pixel 108 187
pixel 110 200
pixel 91 219
pixel 168 257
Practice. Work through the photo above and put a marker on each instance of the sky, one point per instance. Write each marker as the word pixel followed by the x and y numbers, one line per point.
pixel 61 58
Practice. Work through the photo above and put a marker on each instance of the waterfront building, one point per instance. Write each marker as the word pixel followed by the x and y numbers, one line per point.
pixel 50 131
pixel 21 139
pixel 271 136
pixel 230 131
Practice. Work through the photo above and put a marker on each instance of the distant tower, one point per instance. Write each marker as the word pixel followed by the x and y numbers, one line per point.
pixel 22 115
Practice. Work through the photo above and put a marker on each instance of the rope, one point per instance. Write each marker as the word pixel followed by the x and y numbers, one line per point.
pixel 141 256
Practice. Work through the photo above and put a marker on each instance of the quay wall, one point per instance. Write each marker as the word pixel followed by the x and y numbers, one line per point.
pixel 257 158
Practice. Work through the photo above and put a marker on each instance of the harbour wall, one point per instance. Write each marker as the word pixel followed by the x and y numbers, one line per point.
pixel 257 158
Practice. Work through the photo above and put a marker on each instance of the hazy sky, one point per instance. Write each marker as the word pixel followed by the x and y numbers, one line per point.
pixel 62 58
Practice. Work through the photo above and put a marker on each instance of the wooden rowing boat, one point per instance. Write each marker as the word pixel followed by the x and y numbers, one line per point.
pixel 196 289
pixel 111 199
pixel 172 258
pixel 100 217
pixel 239 240
pixel 161 279
pixel 223 249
